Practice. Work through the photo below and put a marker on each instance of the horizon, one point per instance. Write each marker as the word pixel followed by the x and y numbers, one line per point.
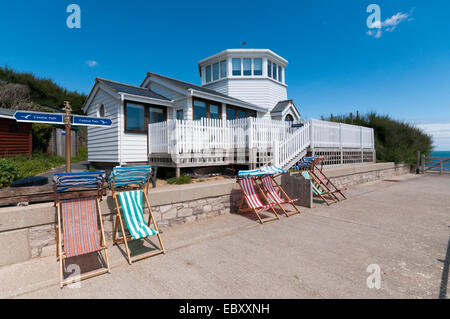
pixel 337 64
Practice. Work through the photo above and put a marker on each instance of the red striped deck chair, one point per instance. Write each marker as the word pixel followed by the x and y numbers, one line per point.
pixel 129 187
pixel 277 195
pixel 253 201
pixel 78 232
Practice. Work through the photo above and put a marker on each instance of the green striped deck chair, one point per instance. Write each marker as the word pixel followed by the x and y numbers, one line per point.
pixel 130 206
pixel 317 190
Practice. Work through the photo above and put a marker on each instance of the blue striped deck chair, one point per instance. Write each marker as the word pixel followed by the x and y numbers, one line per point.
pixel 318 190
pixel 129 187
pixel 77 231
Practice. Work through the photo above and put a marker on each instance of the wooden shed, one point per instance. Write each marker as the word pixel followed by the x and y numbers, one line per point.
pixel 15 138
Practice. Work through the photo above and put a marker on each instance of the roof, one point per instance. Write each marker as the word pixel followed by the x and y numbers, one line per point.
pixel 281 106
pixel 131 89
pixel 245 52
pixel 188 86
pixel 7 113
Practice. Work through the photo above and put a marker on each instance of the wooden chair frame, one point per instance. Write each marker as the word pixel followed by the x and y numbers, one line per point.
pixel 323 192
pixel 60 253
pixel 328 184
pixel 255 210
pixel 282 193
pixel 119 222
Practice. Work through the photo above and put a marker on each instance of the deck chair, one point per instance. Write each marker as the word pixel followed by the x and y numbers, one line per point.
pixel 129 187
pixel 77 231
pixel 326 182
pixel 250 196
pixel 318 191
pixel 274 192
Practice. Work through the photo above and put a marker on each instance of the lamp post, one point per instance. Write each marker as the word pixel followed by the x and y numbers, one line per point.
pixel 67 122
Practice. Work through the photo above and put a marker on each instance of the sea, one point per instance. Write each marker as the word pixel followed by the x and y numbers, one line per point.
pixel 440 154
pixel 446 165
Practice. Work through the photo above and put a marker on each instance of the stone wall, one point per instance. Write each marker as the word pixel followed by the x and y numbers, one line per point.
pixel 354 175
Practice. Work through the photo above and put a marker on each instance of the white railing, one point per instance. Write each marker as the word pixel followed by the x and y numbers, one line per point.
pixel 287 143
pixel 180 136
pixel 292 146
pixel 339 135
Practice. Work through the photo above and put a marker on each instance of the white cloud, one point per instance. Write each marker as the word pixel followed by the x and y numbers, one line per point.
pixel 92 64
pixel 440 133
pixel 390 24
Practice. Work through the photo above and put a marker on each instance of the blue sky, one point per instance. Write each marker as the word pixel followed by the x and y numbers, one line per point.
pixel 335 65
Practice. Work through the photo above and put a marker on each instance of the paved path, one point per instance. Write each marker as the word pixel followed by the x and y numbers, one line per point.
pixel 323 253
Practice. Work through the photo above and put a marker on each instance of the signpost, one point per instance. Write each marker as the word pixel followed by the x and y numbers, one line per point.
pixel 91 121
pixel 68 119
pixel 36 117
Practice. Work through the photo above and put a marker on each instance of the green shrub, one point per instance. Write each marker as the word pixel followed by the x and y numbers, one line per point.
pixel 41 137
pixel 395 141
pixel 9 172
pixel 183 179
pixel 38 164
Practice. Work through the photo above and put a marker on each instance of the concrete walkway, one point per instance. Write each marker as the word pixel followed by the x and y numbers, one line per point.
pixel 324 253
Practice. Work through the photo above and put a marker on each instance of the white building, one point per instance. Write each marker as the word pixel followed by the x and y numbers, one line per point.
pixel 236 84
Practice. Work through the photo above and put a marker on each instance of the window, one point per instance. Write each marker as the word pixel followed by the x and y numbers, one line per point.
pixel 234 112
pixel 156 115
pixel 257 66
pixel 135 118
pixel 138 116
pixel 206 109
pixel 214 111
pixel 208 74
pixel 180 114
pixel 231 113
pixel 223 69
pixel 289 118
pixel 101 111
pixel 247 67
pixel 280 74
pixel 269 69
pixel 237 67
pixel 199 109
pixel 274 71
pixel 215 71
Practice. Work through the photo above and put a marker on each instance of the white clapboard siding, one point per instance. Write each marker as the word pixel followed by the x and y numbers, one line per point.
pixel 103 142
pixel 262 92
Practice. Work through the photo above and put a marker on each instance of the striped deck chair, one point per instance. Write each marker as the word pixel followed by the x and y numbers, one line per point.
pixel 326 182
pixel 317 190
pixel 250 196
pixel 130 203
pixel 77 231
pixel 279 197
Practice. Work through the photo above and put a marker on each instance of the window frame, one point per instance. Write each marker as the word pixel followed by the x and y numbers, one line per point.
pixel 237 109
pixel 147 107
pixel 208 103
pixel 240 67
pixel 243 67
pixel 254 68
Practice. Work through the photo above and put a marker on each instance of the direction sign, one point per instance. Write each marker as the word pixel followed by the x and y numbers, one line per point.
pixel 36 117
pixel 91 121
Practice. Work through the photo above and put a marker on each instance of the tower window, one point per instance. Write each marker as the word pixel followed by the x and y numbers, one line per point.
pixel 257 66
pixel 237 67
